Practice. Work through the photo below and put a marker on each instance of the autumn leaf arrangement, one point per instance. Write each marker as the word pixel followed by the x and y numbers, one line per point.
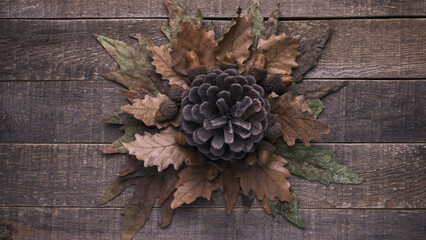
pixel 209 117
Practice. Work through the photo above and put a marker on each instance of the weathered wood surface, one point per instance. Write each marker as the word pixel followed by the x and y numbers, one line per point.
pixel 66 49
pixel 199 223
pixel 70 111
pixel 210 9
pixel 78 175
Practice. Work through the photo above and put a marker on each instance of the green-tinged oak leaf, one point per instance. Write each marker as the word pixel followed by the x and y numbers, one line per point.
pixel 316 90
pixel 117 187
pixel 268 181
pixel 316 106
pixel 159 149
pixel 145 110
pixel 129 135
pixel 199 15
pixel 177 14
pixel 271 26
pixel 163 62
pixel 193 38
pixel 119 116
pixel 296 119
pixel 138 210
pixel 193 183
pixel 281 52
pixel 288 210
pixel 237 40
pixel 316 164
pixel 255 15
pixel 134 62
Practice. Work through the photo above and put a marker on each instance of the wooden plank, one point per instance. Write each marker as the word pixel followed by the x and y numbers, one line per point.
pixel 78 223
pixel 66 50
pixel 78 175
pixel 70 111
pixel 156 8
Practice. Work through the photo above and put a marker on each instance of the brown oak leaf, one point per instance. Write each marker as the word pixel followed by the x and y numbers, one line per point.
pixel 231 188
pixel 281 52
pixel 193 38
pixel 296 119
pixel 193 183
pixel 159 149
pixel 146 109
pixel 268 181
pixel 236 40
pixel 163 63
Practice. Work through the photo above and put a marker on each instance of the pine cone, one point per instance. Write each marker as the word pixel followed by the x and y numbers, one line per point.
pixel 224 114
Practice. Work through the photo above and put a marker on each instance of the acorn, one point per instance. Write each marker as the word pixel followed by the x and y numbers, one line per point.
pixel 169 109
pixel 159 117
pixel 192 159
pixel 194 67
pixel 251 158
pixel 228 62
pixel 258 70
pixel 286 80
pixel 212 172
pixel 264 152
pixel 175 93
pixel 274 131
pixel 180 138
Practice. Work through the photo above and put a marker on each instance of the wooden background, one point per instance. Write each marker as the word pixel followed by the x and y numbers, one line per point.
pixel 53 97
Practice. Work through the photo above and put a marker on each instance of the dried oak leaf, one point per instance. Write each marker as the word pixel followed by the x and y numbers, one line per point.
pixel 236 40
pixel 255 15
pixel 296 119
pixel 159 149
pixel 163 63
pixel 268 181
pixel 193 38
pixel 177 14
pixel 134 62
pixel 231 188
pixel 132 164
pixel 193 183
pixel 146 109
pixel 281 52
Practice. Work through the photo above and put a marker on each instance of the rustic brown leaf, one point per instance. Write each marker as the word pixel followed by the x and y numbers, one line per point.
pixel 236 40
pixel 193 38
pixel 166 212
pixel 163 63
pixel 231 187
pixel 138 210
pixel 310 52
pixel 117 187
pixel 281 52
pixel 132 164
pixel 265 205
pixel 169 184
pixel 192 184
pixel 131 95
pixel 146 109
pixel 248 200
pixel 271 26
pixel 296 119
pixel 268 181
pixel 159 149
pixel 134 61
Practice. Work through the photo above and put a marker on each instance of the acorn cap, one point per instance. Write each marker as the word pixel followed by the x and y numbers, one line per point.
pixel 274 84
pixel 265 145
pixel 169 109
pixel 259 74
pixel 224 66
pixel 274 131
pixel 175 93
pixel 193 72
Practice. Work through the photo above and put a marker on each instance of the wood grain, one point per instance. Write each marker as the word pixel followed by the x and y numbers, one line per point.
pixel 66 49
pixel 78 223
pixel 77 175
pixel 70 111
pixel 211 9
